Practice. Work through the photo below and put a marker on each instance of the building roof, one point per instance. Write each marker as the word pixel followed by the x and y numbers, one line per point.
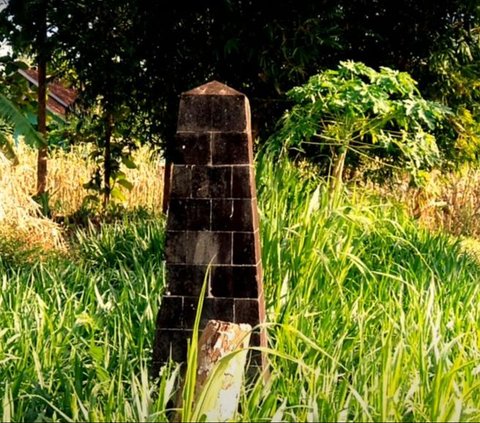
pixel 60 98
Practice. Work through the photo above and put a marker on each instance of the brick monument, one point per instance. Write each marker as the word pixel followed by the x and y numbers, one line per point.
pixel 212 219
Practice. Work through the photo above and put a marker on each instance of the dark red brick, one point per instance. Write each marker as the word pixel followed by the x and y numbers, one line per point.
pixel 175 247
pixel 234 281
pixel 192 149
pixel 229 113
pixel 246 311
pixel 213 218
pixel 244 248
pixel 181 182
pixel 169 344
pixel 217 308
pixel 242 182
pixel 198 215
pixel 213 308
pixel 195 113
pixel 200 182
pixel 230 148
pixel 177 214
pixel 220 181
pixel 171 311
pixel 209 247
pixel 185 279
pixel 232 215
pixel 221 282
pixel 211 182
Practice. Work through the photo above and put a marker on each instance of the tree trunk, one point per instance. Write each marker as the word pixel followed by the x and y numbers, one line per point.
pixel 107 159
pixel 337 173
pixel 42 105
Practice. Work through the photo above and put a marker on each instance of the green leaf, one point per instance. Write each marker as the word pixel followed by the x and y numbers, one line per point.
pixel 118 194
pixel 14 117
pixel 126 184
pixel 129 163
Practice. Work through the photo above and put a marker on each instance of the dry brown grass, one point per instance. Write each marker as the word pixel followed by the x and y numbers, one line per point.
pixel 20 216
pixel 68 171
pixel 448 202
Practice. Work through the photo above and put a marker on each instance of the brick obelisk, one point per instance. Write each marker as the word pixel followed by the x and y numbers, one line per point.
pixel 212 219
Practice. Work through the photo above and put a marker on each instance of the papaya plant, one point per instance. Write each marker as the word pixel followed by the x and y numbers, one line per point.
pixel 356 110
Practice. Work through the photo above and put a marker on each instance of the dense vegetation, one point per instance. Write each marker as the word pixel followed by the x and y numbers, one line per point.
pixel 130 60
pixel 370 317
pixel 368 192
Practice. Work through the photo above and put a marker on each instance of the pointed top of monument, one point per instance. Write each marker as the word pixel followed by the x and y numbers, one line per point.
pixel 213 88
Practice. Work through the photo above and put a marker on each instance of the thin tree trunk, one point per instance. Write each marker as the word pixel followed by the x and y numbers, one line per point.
pixel 337 173
pixel 107 164
pixel 42 170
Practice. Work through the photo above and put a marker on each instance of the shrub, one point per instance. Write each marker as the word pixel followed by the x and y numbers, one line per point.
pixel 374 115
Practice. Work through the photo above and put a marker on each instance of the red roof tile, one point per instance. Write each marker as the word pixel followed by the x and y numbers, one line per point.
pixel 60 98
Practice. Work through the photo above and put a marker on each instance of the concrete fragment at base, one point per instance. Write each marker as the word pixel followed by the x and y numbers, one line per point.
pixel 217 389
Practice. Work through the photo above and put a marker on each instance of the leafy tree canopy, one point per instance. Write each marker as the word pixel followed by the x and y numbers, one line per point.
pixel 375 114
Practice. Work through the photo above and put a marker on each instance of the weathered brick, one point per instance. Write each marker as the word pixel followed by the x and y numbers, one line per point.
pixel 232 215
pixel 170 344
pixel 244 248
pixel 242 182
pixel 185 279
pixel 246 311
pixel 181 182
pixel 200 182
pixel 211 182
pixel 220 179
pixel 217 308
pixel 175 247
pixel 212 221
pixel 213 308
pixel 195 113
pixel 171 311
pixel 209 247
pixel 177 214
pixel 234 281
pixel 198 215
pixel 229 113
pixel 192 149
pixel 230 148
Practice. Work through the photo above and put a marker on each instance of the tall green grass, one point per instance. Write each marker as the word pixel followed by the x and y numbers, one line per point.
pixel 370 318
pixel 76 335
pixel 379 317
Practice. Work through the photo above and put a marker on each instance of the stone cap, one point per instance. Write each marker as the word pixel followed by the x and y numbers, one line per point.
pixel 213 88
pixel 213 107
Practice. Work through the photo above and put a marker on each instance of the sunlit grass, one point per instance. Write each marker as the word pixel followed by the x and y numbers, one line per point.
pixel 68 171
pixel 370 318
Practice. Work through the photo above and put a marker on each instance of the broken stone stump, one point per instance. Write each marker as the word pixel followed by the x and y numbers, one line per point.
pixel 217 389
pixel 212 222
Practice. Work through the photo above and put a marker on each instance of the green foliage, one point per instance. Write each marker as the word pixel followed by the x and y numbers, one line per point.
pixel 14 118
pixel 375 114
pixel 467 142
pixel 378 312
pixel 87 324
